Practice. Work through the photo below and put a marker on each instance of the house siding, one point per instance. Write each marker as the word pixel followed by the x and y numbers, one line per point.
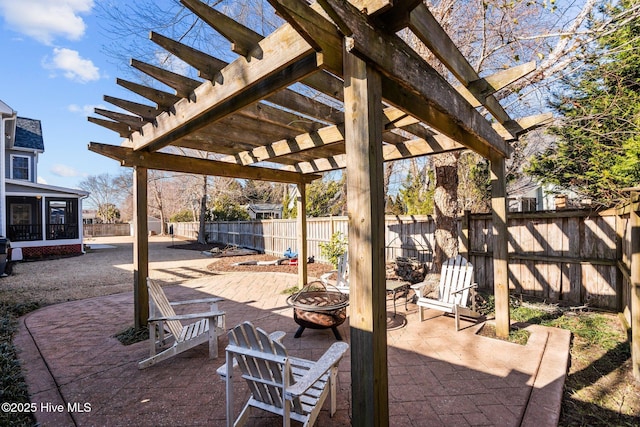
pixel 47 220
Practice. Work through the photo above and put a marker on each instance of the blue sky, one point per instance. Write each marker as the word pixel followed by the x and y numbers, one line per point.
pixel 53 70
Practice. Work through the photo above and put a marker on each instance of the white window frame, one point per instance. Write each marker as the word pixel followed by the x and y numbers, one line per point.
pixel 15 156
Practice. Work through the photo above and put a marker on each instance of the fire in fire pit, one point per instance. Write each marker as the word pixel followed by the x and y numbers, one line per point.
pixel 317 307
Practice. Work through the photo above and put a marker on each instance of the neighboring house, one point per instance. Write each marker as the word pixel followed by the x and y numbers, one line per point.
pixel 264 211
pixel 153 224
pixel 90 216
pixel 38 219
pixel 527 195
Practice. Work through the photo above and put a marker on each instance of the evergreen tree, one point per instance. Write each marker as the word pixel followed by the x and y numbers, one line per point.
pixel 225 209
pixel 289 206
pixel 394 205
pixel 416 193
pixel 323 198
pixel 598 149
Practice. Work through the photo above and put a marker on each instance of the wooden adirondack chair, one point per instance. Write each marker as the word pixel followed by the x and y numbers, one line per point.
pixel 281 384
pixel 453 290
pixel 161 315
pixel 342 275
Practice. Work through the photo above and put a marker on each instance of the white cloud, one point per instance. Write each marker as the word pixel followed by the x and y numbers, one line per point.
pixel 85 110
pixel 73 66
pixel 41 180
pixel 44 20
pixel 64 171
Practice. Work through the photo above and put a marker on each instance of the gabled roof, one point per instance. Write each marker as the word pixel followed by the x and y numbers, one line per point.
pixel 264 207
pixel 29 134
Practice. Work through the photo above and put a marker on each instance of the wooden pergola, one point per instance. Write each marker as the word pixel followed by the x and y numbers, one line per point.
pixel 252 113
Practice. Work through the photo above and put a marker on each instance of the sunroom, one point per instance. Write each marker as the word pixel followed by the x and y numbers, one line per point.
pixel 43 220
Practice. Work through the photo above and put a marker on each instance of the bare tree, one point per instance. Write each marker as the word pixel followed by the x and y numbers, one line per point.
pixel 202 232
pixel 495 35
pixel 124 183
pixel 104 193
pixel 128 25
pixel 165 195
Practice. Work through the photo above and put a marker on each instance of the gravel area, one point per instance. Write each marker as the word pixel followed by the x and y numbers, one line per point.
pixel 107 268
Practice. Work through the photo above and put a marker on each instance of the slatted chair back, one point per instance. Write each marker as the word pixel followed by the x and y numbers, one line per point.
pixel 291 387
pixel 343 271
pixel 161 307
pixel 264 365
pixel 342 275
pixel 457 273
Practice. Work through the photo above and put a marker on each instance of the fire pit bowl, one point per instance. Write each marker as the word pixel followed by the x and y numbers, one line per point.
pixel 317 307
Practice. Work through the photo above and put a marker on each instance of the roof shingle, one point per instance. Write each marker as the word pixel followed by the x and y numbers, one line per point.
pixel 29 134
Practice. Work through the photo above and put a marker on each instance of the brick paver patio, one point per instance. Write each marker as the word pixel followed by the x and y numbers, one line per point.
pixel 437 377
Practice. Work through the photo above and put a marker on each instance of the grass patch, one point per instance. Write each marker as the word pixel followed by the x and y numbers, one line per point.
pixel 132 335
pixel 594 330
pixel 599 388
pixel 290 291
pixel 13 388
pixel 516 335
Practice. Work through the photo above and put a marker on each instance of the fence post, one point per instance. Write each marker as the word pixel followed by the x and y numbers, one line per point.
pixel 464 238
pixel 635 285
pixel 619 259
pixel 331 226
pixel 302 235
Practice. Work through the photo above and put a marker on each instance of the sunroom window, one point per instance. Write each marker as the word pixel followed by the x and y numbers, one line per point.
pixel 62 219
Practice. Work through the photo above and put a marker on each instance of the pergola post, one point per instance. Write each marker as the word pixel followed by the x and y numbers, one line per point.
pixel 500 244
pixel 363 136
pixel 634 220
pixel 301 207
pixel 140 248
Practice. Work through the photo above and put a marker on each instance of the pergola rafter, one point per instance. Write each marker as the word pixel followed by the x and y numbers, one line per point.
pixel 335 87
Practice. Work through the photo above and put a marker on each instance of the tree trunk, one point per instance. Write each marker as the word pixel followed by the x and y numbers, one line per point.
pixel 202 232
pixel 446 209
pixel 157 194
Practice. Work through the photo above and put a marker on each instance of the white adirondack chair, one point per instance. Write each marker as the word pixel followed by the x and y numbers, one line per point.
pixel 453 291
pixel 342 275
pixel 281 384
pixel 183 337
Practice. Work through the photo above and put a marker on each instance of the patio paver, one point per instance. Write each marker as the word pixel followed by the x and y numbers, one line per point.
pixel 436 376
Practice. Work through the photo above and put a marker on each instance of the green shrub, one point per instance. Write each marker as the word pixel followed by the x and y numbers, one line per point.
pixel 225 209
pixel 183 216
pixel 334 248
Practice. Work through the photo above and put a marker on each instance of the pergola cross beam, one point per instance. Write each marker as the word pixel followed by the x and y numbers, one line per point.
pixel 183 164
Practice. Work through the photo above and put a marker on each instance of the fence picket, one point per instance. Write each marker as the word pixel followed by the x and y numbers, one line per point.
pixel 565 256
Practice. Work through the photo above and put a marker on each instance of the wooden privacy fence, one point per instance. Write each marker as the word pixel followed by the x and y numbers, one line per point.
pixel 558 256
pixel 104 230
pixel 410 236
pixel 577 257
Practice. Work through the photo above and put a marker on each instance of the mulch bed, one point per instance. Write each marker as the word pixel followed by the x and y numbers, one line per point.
pixel 314 269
